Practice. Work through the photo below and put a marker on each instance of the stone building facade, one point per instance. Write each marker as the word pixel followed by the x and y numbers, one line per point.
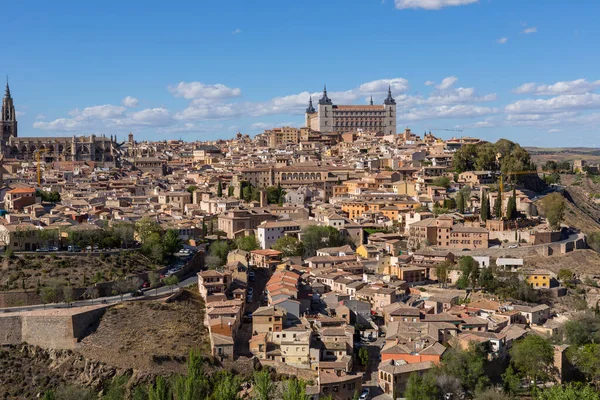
pixel 329 117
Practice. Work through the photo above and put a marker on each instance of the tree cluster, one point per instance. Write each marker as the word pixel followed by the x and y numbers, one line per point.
pixel 317 237
pixel 482 157
pixel 49 197
pixel 157 244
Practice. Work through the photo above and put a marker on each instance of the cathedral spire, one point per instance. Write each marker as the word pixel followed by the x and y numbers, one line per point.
pixel 389 100
pixel 371 102
pixel 310 109
pixel 324 99
pixel 7 91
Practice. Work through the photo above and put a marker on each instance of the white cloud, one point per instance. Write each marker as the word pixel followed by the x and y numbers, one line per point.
pixel 431 4
pixel 104 111
pixel 502 40
pixel 447 83
pixel 398 85
pixel 442 112
pixel 236 31
pixel 429 83
pixel 195 90
pixel 40 117
pixel 553 130
pixel 130 101
pixel 578 86
pixel 61 124
pixel 20 113
pixel 532 29
pixel 565 102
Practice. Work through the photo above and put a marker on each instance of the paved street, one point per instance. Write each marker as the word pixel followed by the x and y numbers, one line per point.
pixel 162 291
pixel 370 377
pixel 245 333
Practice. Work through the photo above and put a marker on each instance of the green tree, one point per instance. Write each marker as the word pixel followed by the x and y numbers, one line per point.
pixel 485 213
pixel 294 389
pixel 442 181
pixel 363 356
pixel 533 357
pixel 498 204
pixel 582 330
pixel 469 272
pixel 442 270
pixel 511 208
pixel 587 359
pixel 511 383
pixel 264 389
pixel 48 294
pixel 68 294
pixel 49 395
pixel 219 188
pixel 191 188
pixel 220 249
pixel 230 191
pixel 171 242
pixel 460 203
pixel 247 243
pixel 564 275
pixel 116 388
pixel 571 391
pixel 160 390
pixel 554 209
pixel 225 386
pixel 289 246
pixel 317 237
pixel 171 281
pixel 146 227
pixel 421 387
pixel 468 366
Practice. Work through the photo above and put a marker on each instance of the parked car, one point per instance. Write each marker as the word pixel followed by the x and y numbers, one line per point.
pixel 251 276
pixel 365 395
pixel 52 248
pixel 146 285
pixel 247 317
pixel 513 246
pixel 250 291
pixel 249 298
pixel 42 250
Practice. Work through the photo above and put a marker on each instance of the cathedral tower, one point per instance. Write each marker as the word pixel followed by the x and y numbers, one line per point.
pixel 8 120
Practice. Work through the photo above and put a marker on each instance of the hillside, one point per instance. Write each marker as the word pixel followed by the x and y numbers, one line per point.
pixel 149 336
pixel 583 210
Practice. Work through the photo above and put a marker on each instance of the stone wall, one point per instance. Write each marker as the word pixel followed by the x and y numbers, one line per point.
pixel 10 330
pixel 51 329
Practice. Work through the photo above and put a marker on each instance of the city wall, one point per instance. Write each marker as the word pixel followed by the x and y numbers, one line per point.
pixel 51 329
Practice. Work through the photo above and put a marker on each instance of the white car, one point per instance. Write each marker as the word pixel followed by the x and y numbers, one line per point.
pixel 365 395
pixel 513 246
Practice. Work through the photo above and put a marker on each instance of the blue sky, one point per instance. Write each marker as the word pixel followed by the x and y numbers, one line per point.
pixel 521 69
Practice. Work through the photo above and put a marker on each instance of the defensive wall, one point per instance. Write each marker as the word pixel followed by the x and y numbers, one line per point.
pixel 51 328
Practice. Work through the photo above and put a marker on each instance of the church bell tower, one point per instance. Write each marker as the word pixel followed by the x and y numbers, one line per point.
pixel 8 120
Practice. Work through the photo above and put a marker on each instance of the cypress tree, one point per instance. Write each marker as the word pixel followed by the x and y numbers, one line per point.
pixel 460 203
pixel 219 188
pixel 485 207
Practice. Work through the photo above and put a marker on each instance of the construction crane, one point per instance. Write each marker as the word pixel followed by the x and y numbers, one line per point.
pixel 445 129
pixel 39 168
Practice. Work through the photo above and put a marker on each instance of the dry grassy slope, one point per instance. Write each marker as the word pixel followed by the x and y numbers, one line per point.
pixel 582 212
pixel 149 336
pixel 580 261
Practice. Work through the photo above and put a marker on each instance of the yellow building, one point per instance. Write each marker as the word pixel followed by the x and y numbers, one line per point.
pixel 538 279
pixel 354 208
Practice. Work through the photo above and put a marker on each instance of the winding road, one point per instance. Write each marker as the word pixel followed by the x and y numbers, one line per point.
pixel 161 291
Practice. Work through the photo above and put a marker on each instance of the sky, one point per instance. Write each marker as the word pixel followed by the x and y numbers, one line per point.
pixel 525 70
